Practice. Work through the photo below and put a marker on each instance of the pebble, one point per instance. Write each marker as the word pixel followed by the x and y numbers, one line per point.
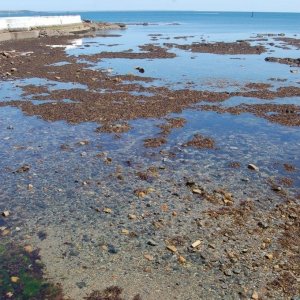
pixel 14 279
pixel 28 248
pixel 245 179
pixel 149 257
pixel 152 243
pixel 197 191
pixel 112 249
pixel 125 231
pixel 107 210
pixel 23 169
pixel 5 232
pixel 81 284
pixel 263 225
pixel 181 260
pixel 236 271
pixel 277 189
pixel 253 167
pixel 196 244
pixel 5 213
pixel 269 256
pixel 132 217
pixel 172 248
pixel 228 273
pixel 255 296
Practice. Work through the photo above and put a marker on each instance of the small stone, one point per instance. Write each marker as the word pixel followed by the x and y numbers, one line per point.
pixel 276 267
pixel 28 248
pixel 83 154
pixel 23 169
pixel 107 210
pixel 30 187
pixel 104 247
pixel 112 249
pixel 174 214
pixel 13 70
pixel 181 259
pixel 212 246
pixel 125 231
pixel 5 232
pixel 150 190
pixel 228 273
pixel 227 202
pixel 149 257
pixel 132 217
pixel 255 296
pixel 152 243
pixel 9 294
pixel 269 256
pixel 164 208
pixel 172 248
pixel 245 179
pixel 57 77
pixel 147 270
pixel 140 194
pixel 263 225
pixel 277 188
pixel 196 244
pixel 18 229
pixel 14 279
pixel 81 284
pixel 237 271
pixel 5 213
pixel 197 191
pixel 253 167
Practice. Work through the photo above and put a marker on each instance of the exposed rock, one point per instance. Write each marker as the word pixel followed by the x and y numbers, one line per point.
pixel 253 167
pixel 196 244
pixel 23 169
pixel 5 213
pixel 295 62
pixel 14 279
pixel 149 257
pixel 172 248
pixel 151 243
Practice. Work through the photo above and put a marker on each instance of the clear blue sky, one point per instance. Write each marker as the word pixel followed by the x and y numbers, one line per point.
pixel 205 5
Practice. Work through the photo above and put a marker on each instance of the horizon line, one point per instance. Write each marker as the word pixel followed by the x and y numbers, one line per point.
pixel 148 10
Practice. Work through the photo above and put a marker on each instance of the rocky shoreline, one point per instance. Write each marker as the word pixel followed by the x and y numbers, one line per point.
pixel 116 188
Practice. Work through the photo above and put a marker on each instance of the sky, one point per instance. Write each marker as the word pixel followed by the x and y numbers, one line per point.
pixel 202 5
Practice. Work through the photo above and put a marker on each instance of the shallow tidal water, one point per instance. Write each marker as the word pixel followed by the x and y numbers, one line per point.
pixel 57 199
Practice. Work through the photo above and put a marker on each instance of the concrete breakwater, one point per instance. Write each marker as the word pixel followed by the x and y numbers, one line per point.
pixel 27 23
pixel 33 27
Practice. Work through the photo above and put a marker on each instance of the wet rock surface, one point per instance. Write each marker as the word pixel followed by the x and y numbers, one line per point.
pixel 221 48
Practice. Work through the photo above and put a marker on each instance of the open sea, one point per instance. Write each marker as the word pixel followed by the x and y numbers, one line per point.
pixel 202 22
